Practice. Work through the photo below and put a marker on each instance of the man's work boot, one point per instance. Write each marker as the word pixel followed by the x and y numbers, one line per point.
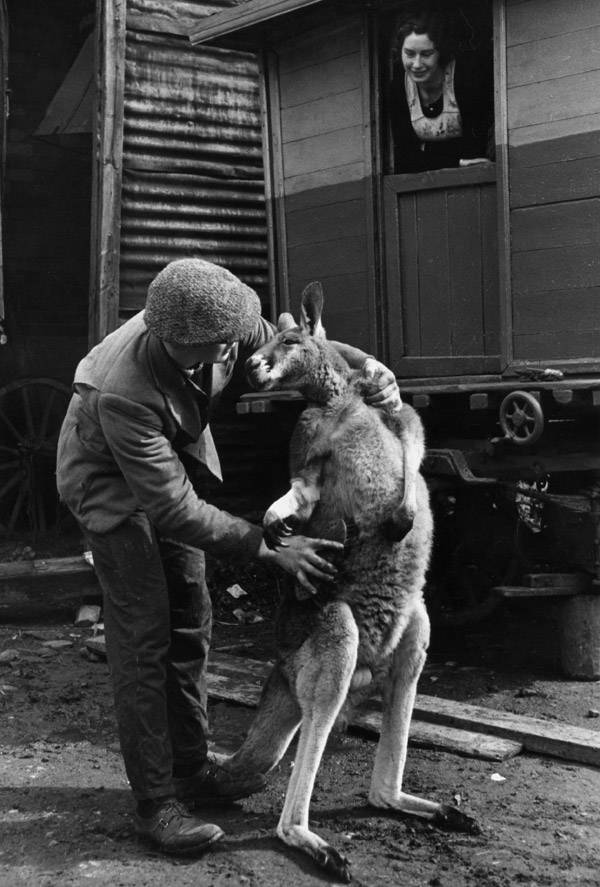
pixel 173 829
pixel 211 784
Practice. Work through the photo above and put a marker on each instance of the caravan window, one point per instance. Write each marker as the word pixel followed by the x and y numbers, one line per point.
pixel 439 87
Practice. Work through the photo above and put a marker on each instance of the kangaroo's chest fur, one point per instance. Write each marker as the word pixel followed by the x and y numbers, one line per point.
pixel 361 481
pixel 362 477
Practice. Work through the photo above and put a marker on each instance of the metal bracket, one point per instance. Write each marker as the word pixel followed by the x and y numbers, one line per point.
pixel 453 462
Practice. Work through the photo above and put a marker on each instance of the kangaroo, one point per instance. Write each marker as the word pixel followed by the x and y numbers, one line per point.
pixel 355 477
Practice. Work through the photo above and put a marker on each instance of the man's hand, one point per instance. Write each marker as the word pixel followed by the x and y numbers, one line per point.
pixel 299 557
pixel 382 388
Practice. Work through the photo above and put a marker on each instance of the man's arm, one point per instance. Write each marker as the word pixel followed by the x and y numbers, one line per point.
pixel 159 482
pixel 381 389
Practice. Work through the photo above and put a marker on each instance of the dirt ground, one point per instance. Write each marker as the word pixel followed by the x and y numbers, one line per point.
pixel 66 811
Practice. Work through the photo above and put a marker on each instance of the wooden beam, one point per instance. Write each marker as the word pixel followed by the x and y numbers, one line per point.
pixel 57 566
pixel 236 679
pixel 503 181
pixel 515 592
pixel 46 589
pixel 441 738
pixel 540 737
pixel 577 582
pixel 107 170
pixel 253 12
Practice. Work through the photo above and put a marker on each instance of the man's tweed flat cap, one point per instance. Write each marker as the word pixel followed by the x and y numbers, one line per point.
pixel 195 302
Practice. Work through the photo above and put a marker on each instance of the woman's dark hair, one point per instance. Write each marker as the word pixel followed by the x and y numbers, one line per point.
pixel 426 21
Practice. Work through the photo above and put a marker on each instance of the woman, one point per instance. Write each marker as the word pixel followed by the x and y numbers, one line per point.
pixel 441 103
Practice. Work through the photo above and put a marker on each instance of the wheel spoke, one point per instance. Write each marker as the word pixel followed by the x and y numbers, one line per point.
pixel 17 434
pixel 16 508
pixel 31 412
pixel 40 517
pixel 28 413
pixel 14 480
pixel 4 466
pixel 46 416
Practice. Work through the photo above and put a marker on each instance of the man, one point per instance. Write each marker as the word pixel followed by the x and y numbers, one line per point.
pixel 136 427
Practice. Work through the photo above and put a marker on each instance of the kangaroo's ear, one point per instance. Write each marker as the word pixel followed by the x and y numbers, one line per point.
pixel 312 308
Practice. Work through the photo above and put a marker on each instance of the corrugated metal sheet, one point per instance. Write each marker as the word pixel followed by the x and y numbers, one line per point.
pixel 192 157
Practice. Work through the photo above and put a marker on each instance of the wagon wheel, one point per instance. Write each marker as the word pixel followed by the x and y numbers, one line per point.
pixel 31 413
pixel 521 418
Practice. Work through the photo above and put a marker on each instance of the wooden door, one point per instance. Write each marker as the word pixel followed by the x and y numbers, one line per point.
pixel 442 272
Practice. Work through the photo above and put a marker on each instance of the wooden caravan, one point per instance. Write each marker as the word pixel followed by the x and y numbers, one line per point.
pixel 480 284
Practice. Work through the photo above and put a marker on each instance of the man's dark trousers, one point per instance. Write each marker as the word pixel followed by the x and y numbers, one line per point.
pixel 157 618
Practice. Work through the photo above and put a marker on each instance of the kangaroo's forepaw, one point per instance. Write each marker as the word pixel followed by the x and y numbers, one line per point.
pixel 451 819
pixel 334 863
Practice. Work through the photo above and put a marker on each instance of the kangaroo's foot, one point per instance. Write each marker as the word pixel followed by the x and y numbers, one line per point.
pixel 451 819
pixel 444 816
pixel 326 856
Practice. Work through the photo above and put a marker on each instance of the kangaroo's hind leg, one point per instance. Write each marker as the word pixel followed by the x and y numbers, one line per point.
pixel 324 667
pixel 273 728
pixel 398 701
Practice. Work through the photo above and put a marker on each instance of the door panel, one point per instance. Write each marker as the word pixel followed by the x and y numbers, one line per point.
pixel 442 289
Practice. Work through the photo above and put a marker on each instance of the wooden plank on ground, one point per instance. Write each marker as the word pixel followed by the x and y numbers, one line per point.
pixel 39 588
pixel 525 591
pixel 541 737
pixel 236 679
pixel 439 737
pixel 54 566
pixel 577 582
pixel 239 679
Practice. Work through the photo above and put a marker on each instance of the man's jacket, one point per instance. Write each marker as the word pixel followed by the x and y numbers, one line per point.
pixel 132 423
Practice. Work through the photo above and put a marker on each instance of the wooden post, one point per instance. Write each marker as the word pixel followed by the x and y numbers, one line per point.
pixel 107 169
pixel 274 185
pixel 580 637
pixel 502 179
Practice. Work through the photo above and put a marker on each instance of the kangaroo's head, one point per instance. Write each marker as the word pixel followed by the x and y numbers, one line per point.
pixel 299 356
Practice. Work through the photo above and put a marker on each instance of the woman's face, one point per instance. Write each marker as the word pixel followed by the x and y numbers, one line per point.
pixel 420 58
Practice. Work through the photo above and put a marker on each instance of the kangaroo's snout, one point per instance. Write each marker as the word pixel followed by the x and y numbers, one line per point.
pixel 253 362
pixel 258 370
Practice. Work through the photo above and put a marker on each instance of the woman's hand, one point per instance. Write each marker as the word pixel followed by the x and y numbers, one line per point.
pixel 382 385
pixel 299 557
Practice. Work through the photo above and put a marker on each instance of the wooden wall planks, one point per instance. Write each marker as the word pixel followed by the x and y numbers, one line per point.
pixel 558 310
pixel 563 268
pixel 556 182
pixel 331 257
pixel 553 70
pixel 540 19
pixel 324 173
pixel 323 151
pixel 554 124
pixel 321 115
pixel 316 47
pixel 557 225
pixel 564 98
pixel 315 224
pixel 554 57
pixel 320 79
pixel 560 344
